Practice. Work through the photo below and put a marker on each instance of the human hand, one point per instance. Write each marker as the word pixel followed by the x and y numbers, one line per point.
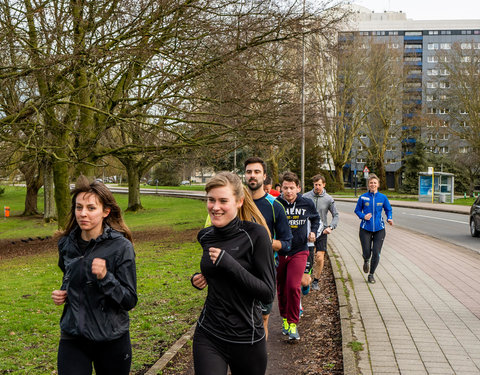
pixel 59 296
pixel 311 237
pixel 390 221
pixel 327 230
pixel 199 281
pixel 214 252
pixel 99 268
pixel 367 216
pixel 306 279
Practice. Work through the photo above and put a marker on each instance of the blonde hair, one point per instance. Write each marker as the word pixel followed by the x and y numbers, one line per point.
pixel 372 176
pixel 248 211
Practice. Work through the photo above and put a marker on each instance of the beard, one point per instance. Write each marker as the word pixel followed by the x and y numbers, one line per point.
pixel 254 185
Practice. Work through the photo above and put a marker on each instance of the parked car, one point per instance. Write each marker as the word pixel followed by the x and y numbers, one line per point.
pixel 475 218
pixel 185 182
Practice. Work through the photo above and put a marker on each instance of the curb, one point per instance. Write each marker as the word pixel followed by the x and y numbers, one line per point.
pixel 350 361
pixel 170 353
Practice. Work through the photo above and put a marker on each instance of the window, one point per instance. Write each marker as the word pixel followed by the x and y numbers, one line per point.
pixel 466 59
pixel 433 32
pixel 432 46
pixel 410 33
pixel 443 149
pixel 443 111
pixel 393 45
pixel 463 112
pixel 432 72
pixel 432 59
pixel 363 135
pixel 431 110
pixel 391 161
pixel 393 33
pixel 444 85
pixel 445 45
pixel 443 136
pixel 464 124
pixel 445 32
pixel 466 45
pixel 466 32
pixel 413 58
pixel 444 58
pixel 463 149
pixel 443 97
pixel 429 98
pixel 391 148
pixel 476 45
pixel 432 85
pixel 412 46
pixel 444 72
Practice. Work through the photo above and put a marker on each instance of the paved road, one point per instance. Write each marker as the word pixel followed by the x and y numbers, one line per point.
pixel 448 226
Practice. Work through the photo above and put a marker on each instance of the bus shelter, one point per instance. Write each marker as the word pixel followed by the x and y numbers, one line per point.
pixel 441 184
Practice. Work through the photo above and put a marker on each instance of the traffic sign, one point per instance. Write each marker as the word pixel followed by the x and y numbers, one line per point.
pixel 366 170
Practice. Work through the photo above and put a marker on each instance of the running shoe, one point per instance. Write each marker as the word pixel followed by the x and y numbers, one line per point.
pixel 285 327
pixel 315 285
pixel 305 289
pixel 301 310
pixel 293 332
pixel 366 266
pixel 371 279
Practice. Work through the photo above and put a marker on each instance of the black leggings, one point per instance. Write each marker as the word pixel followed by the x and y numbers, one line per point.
pixel 213 356
pixel 76 355
pixel 372 243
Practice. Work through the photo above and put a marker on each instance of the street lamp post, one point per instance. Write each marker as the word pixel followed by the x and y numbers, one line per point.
pixel 302 162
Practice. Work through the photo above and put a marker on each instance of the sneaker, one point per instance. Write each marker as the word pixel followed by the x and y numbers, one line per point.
pixel 285 327
pixel 305 290
pixel 301 310
pixel 315 285
pixel 293 332
pixel 366 266
pixel 371 279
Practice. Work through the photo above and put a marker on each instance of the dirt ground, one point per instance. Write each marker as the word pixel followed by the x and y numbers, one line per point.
pixel 318 352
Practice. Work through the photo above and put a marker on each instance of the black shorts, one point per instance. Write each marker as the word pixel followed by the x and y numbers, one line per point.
pixel 266 308
pixel 321 243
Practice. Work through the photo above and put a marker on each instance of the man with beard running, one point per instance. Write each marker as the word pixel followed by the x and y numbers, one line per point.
pixel 272 211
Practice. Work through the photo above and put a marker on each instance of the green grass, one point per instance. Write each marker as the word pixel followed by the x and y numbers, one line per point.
pixel 159 211
pixel 168 304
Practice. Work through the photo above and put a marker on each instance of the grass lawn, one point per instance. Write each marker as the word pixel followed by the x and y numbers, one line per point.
pixel 167 307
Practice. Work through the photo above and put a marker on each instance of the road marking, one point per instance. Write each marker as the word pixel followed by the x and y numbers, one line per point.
pixel 437 218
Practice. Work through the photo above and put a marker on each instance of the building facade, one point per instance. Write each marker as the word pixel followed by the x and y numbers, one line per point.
pixel 425 48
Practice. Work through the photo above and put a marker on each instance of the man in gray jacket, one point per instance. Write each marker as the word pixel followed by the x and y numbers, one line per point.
pixel 323 203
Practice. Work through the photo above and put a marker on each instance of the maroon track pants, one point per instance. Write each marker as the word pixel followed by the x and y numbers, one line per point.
pixel 289 277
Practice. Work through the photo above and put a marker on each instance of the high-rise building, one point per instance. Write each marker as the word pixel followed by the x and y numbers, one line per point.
pixel 424 47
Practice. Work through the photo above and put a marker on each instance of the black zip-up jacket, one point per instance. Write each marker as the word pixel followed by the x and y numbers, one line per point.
pixel 243 275
pixel 97 309
pixel 298 212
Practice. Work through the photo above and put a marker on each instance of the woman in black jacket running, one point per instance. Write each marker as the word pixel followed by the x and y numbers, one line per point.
pixel 238 265
pixel 99 285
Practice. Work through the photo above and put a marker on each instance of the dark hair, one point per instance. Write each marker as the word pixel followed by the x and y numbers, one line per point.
pixel 255 159
pixel 106 198
pixel 318 177
pixel 291 177
pixel 268 180
pixel 277 184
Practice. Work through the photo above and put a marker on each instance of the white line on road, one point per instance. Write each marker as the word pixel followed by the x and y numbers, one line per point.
pixel 437 218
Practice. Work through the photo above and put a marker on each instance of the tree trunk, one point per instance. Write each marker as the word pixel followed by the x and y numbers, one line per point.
pixel 382 175
pixel 49 212
pixel 339 176
pixel 33 179
pixel 134 203
pixel 62 191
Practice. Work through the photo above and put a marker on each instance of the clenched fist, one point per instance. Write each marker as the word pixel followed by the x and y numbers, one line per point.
pixel 99 268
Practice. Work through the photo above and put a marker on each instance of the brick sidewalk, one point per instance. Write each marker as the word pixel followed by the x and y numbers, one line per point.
pixel 423 314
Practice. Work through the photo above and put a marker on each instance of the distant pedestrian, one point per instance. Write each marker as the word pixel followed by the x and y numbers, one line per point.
pixel 372 228
pixel 324 203
pixel 238 266
pixel 99 285
pixel 267 187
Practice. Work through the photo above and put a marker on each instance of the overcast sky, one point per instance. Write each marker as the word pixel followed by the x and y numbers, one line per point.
pixel 427 9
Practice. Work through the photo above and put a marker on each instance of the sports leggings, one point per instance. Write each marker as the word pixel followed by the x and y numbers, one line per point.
pixel 76 355
pixel 372 243
pixel 213 356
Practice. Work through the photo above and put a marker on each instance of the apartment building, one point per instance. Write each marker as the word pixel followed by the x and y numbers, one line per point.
pixel 424 46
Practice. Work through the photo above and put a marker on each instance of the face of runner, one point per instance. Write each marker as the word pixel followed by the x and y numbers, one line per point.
pixel 254 176
pixel 373 185
pixel 290 190
pixel 89 214
pixel 318 187
pixel 222 205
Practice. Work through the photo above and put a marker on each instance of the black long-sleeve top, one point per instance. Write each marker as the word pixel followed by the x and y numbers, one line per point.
pixel 243 275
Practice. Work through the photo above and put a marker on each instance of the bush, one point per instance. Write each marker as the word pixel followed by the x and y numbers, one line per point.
pixel 2 190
